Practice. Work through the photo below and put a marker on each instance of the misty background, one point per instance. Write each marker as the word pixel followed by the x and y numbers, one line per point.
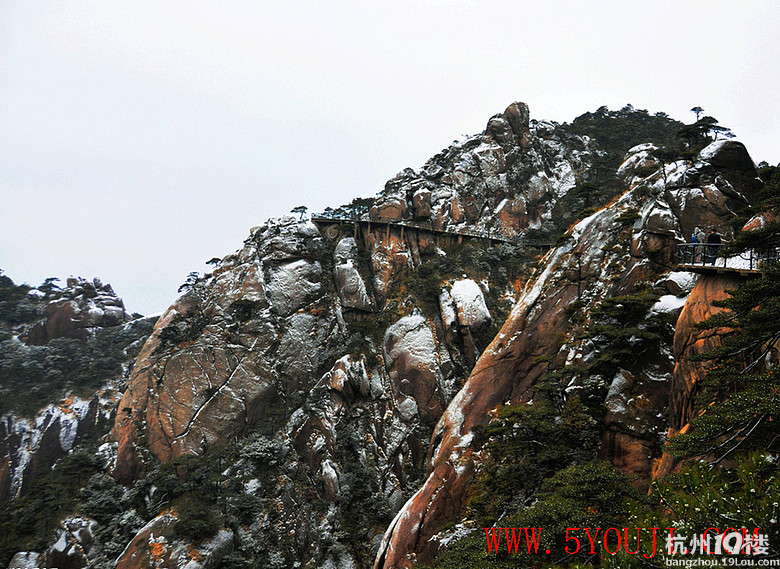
pixel 140 139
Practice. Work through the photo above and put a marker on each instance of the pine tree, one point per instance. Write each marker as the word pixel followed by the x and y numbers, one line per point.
pixel 741 391
pixel 301 209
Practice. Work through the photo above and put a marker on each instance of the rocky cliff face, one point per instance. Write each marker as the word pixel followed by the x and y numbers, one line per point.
pixel 81 308
pixel 313 333
pixel 323 383
pixel 507 180
pixel 609 255
pixel 30 447
pixel 81 331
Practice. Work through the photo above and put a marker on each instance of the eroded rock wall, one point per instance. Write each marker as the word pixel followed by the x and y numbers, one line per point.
pixel 268 340
pixel 629 242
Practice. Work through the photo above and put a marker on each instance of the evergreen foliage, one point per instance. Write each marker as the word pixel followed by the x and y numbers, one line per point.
pixel 618 131
pixel 17 306
pixel 353 210
pixel 301 209
pixel 701 133
pixel 28 523
pixel 615 132
pixel 33 376
pixel 741 390
pixel 744 495
pixel 524 446
pixel 190 283
pixel 502 264
pixel 364 509
pixel 622 331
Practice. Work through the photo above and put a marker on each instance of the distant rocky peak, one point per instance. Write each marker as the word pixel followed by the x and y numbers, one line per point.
pixel 82 305
pixel 504 181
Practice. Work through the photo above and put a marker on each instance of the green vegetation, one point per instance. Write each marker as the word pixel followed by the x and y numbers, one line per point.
pixel 705 130
pixel 364 510
pixel 745 494
pixel 206 492
pixel 594 495
pixel 741 390
pixel 28 523
pixel 618 131
pixel 501 265
pixel 34 376
pixel 300 209
pixel 16 305
pixel 524 446
pixel 614 132
pixel 191 282
pixel 628 216
pixel 353 210
pixel 623 332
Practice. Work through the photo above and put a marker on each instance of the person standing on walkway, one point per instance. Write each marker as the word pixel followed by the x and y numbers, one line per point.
pixel 713 243
pixel 698 238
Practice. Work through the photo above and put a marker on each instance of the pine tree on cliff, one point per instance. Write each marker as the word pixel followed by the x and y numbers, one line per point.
pixel 301 209
pixel 704 131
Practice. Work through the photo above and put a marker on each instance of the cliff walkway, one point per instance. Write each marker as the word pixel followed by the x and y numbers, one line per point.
pixel 709 258
pixel 325 222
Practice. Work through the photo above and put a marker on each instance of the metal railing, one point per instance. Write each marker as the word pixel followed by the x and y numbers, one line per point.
pixel 710 256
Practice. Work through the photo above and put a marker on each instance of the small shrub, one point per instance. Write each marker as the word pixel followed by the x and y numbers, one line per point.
pixel 628 216
pixel 197 521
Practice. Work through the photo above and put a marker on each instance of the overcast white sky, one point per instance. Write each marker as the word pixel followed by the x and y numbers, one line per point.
pixel 139 139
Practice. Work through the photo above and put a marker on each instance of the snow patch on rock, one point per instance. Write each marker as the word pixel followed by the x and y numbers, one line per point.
pixel 668 303
pixel 469 304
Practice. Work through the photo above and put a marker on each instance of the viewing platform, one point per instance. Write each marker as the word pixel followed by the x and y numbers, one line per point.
pixel 708 258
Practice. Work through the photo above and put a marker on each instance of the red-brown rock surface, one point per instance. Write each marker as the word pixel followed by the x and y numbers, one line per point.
pixel 690 341
pixel 268 340
pixel 82 306
pixel 614 259
pixel 156 545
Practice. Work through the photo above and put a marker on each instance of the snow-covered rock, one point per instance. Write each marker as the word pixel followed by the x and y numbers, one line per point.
pixel 470 304
pixel 351 287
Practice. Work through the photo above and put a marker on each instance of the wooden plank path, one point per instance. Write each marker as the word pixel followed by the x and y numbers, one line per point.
pixel 322 220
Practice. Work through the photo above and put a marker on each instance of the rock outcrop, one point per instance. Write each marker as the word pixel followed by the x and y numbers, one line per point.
pixel 30 447
pixel 156 545
pixel 96 340
pixel 608 255
pixel 80 308
pixel 264 343
pixel 508 180
pixel 257 330
pixel 291 334
pixel 347 366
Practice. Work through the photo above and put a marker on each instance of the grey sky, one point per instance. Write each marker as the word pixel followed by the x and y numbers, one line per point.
pixel 139 139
